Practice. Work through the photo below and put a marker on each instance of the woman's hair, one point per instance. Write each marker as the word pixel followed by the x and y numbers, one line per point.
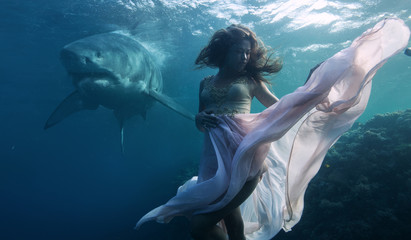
pixel 259 65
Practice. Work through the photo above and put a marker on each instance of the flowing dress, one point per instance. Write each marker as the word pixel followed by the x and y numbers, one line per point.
pixel 291 138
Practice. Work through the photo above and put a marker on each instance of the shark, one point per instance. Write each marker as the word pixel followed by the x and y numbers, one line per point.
pixel 116 71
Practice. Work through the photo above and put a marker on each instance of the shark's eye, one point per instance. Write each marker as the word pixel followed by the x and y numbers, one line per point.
pixel 98 54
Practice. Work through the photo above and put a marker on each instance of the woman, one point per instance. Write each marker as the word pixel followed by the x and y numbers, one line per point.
pixel 241 60
pixel 255 168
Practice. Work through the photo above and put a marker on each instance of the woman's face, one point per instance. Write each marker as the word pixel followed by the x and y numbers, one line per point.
pixel 238 56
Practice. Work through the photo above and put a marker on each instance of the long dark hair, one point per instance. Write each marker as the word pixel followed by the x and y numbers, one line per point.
pixel 259 65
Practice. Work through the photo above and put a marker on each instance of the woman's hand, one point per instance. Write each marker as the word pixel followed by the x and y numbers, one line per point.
pixel 205 120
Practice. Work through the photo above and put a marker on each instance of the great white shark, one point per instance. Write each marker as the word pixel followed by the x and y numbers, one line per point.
pixel 113 70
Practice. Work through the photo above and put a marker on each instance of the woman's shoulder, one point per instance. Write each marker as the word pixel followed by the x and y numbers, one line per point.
pixel 258 83
pixel 250 82
pixel 256 86
pixel 206 81
pixel 207 78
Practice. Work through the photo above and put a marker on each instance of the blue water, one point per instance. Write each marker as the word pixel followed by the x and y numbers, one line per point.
pixel 71 181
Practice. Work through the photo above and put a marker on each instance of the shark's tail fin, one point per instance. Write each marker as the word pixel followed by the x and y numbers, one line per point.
pixel 169 102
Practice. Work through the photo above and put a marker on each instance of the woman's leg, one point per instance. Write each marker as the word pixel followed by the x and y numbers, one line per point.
pixel 235 225
pixel 203 226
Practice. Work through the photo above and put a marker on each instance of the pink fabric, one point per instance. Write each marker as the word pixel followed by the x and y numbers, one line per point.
pixel 291 138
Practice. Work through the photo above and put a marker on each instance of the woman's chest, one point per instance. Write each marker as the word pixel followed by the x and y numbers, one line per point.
pixel 234 93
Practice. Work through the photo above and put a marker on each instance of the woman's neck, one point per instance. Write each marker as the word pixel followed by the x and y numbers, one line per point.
pixel 225 74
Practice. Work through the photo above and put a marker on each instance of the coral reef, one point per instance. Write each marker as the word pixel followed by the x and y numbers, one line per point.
pixel 363 190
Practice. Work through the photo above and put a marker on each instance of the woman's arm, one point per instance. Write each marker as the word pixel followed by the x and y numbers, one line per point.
pixel 264 95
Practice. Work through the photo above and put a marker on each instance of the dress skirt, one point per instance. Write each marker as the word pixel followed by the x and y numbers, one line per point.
pixel 287 142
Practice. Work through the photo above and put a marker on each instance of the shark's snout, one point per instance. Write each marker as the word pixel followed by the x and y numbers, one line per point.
pixel 76 63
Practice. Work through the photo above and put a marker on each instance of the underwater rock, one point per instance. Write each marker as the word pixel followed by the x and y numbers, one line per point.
pixel 363 190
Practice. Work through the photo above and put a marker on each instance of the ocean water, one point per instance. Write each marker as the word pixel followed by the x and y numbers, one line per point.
pixel 71 181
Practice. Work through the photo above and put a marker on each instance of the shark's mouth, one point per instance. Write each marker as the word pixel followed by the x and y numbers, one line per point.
pixel 99 75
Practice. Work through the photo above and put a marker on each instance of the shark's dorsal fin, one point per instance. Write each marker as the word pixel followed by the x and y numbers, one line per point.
pixel 71 104
pixel 169 102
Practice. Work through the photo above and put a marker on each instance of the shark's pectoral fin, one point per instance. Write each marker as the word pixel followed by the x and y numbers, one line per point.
pixel 71 104
pixel 169 102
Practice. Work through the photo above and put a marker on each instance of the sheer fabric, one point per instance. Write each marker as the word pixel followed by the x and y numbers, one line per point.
pixel 288 140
